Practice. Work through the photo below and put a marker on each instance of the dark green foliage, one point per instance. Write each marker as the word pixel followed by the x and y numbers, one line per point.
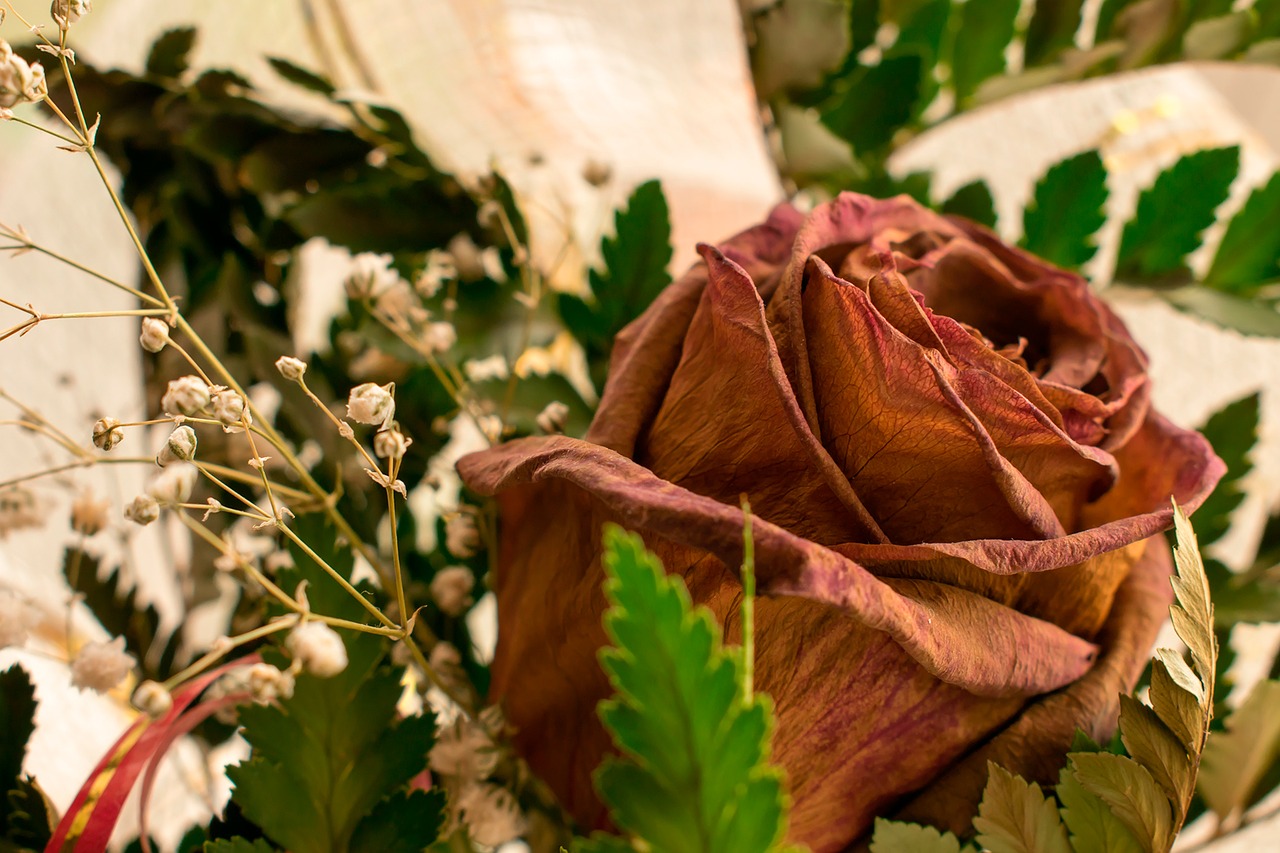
pixel 635 272
pixel 117 607
pixel 1249 254
pixel 1053 27
pixel 170 55
pixel 24 811
pixel 1173 212
pixel 694 775
pixel 876 102
pixel 984 29
pixel 973 201
pixel 1233 431
pixel 399 823
pixel 300 76
pixel 1066 211
pixel 237 845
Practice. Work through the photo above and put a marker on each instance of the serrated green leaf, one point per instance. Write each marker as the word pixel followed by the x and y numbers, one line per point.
pixel 31 816
pixel 893 836
pixel 1173 212
pixel 1240 597
pixel 1016 817
pixel 17 721
pixel 1053 27
pixel 986 27
pixel 170 54
pixel 1249 254
pixel 1151 743
pixel 973 201
pixel 1177 696
pixel 876 103
pixel 1246 316
pixel 1130 793
pixel 1235 760
pixel 1066 211
pixel 1090 822
pixel 694 776
pixel 118 610
pixel 405 822
pixel 237 845
pixel 1192 611
pixel 300 76
pixel 1233 432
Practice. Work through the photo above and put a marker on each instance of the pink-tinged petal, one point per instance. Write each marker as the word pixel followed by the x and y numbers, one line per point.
pixel 646 352
pixel 889 415
pixel 707 436
pixel 1035 745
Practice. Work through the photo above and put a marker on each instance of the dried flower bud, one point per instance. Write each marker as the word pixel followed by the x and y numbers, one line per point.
pixel 101 666
pixel 268 684
pixel 291 368
pixel 451 589
pixel 553 417
pixel 15 76
pixel 143 510
pixel 173 485
pixel 89 516
pixel 181 445
pixel 152 699
pixel 186 395
pixel 369 274
pixel 461 535
pixel 17 617
pixel 444 655
pixel 229 408
pixel 485 369
pixel 491 814
pixel 318 648
pixel 439 337
pixel 155 334
pixel 467 258
pixel 66 12
pixel 371 403
pixel 597 173
pixel 391 444
pixel 107 433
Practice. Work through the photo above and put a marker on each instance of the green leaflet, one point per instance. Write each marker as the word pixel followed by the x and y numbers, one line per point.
pixel 1016 817
pixel 1173 212
pixel 635 272
pixel 1249 254
pixel 985 27
pixel 1236 760
pixel 1092 825
pixel 1130 793
pixel 694 776
pixel 973 201
pixel 237 845
pixel 1066 211
pixel 892 836
pixel 24 813
pixel 1233 431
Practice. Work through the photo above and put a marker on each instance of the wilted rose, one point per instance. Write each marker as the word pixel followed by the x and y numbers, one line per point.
pixel 958 482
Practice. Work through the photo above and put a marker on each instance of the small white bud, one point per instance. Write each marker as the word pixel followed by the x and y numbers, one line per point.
pixel 181 445
pixel 318 648
pixel 173 485
pixel 101 666
pixel 291 368
pixel 451 589
pixel 391 444
pixel 186 395
pixel 371 403
pixel 152 699
pixel 88 516
pixel 553 417
pixel 65 12
pixel 268 684
pixel 467 259
pixel 143 510
pixel 155 334
pixel 107 433
pixel 229 408
pixel 461 535
pixel 439 337
pixel 485 369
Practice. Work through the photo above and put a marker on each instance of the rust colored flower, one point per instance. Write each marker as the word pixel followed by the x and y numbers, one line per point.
pixel 958 480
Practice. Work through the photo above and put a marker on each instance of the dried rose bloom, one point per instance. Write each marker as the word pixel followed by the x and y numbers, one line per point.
pixel 142 510
pixel 959 485
pixel 155 334
pixel 291 368
pixel 318 649
pixel 107 433
pixel 101 666
pixel 186 395
pixel 371 403
pixel 451 589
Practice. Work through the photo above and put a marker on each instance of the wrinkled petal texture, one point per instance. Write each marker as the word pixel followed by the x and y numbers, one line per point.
pixel 958 483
